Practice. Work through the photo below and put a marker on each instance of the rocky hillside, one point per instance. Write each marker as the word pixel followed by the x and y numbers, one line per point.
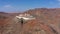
pixel 46 22
pixel 30 27
pixel 50 17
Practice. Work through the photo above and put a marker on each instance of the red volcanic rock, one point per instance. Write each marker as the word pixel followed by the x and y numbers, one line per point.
pixel 47 16
pixel 35 27
pixel 6 17
pixel 41 25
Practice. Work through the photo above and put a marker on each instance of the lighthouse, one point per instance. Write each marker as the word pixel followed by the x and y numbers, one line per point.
pixel 24 17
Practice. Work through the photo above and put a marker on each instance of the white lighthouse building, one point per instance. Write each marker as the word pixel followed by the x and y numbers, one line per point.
pixel 25 16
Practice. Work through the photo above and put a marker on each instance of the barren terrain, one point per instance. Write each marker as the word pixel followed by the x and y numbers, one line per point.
pixel 47 22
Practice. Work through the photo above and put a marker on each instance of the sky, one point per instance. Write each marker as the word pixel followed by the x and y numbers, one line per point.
pixel 23 5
